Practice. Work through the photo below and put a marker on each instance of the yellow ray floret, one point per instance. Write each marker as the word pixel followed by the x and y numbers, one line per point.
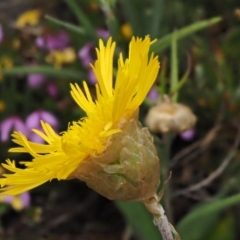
pixel 64 152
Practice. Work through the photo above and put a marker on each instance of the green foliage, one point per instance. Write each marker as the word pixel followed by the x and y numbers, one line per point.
pixel 139 219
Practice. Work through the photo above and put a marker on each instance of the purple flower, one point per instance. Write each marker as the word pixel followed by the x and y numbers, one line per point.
pixel 85 54
pixel 9 124
pixel 35 80
pixel 40 42
pixel 188 135
pixel 18 202
pixel 1 33
pixel 153 94
pixel 52 89
pixel 103 33
pixel 91 77
pixel 55 41
pixel 33 121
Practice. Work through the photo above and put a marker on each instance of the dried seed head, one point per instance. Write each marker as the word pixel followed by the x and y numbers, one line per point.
pixel 128 169
pixel 170 117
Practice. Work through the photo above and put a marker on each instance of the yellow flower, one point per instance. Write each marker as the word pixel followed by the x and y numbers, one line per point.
pixel 2 105
pixel 58 58
pixel 126 30
pixel 5 63
pixel 30 17
pixel 88 137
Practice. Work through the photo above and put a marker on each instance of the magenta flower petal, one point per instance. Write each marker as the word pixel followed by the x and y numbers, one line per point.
pixel 1 33
pixel 54 41
pixel 40 42
pixel 35 138
pixel 153 94
pixel 25 199
pixel 5 128
pixel 103 33
pixel 84 54
pixel 19 125
pixel 188 135
pixel 49 118
pixel 52 89
pixel 91 77
pixel 9 124
pixel 35 80
pixel 33 120
pixel 8 199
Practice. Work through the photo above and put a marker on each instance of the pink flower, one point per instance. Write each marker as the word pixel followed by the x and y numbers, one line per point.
pixel 153 94
pixel 188 135
pixel 33 121
pixel 52 89
pixel 91 77
pixel 1 33
pixel 35 80
pixel 87 54
pixel 18 202
pixel 54 41
pixel 103 33
pixel 10 124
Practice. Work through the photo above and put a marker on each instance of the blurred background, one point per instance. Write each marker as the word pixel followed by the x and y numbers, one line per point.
pixel 46 45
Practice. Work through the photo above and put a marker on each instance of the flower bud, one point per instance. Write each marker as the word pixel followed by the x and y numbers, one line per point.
pixel 170 117
pixel 128 169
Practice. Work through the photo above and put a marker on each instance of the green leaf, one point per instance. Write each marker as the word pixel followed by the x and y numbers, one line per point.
pixel 111 21
pixel 140 220
pixel 135 11
pixel 174 66
pixel 46 70
pixel 165 42
pixel 224 229
pixel 191 227
pixel 81 17
pixel 157 11
pixel 66 25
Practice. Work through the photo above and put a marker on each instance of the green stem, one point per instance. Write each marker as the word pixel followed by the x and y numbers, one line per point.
pixel 82 18
pixel 165 165
pixel 111 21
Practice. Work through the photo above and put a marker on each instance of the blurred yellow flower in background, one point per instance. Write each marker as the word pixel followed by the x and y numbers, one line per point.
pixel 5 63
pixel 58 58
pixel 31 17
pixel 2 105
pixel 126 30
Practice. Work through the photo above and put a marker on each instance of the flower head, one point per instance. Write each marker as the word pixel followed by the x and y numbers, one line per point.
pixel 170 117
pixel 95 148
